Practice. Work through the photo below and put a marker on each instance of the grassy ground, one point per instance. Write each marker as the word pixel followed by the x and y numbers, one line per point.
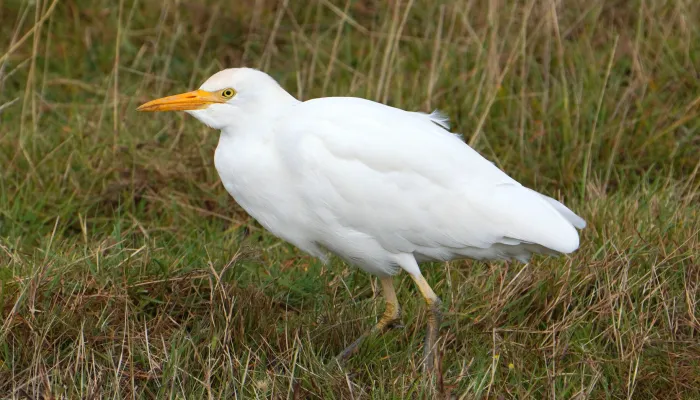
pixel 126 270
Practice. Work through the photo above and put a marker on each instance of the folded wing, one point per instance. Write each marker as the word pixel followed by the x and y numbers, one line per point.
pixel 401 179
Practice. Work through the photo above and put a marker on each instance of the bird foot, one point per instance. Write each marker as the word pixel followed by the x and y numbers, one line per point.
pixel 352 349
pixel 382 327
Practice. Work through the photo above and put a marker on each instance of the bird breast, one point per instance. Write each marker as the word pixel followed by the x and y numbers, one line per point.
pixel 254 177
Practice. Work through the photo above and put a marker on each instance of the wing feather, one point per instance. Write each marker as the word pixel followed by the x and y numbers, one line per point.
pixel 414 187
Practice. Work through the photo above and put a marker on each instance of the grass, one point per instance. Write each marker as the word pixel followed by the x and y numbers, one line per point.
pixel 126 270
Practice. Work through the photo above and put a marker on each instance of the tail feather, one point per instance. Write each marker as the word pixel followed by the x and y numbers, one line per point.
pixel 574 219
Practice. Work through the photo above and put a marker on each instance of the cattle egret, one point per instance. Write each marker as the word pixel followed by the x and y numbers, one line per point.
pixel 383 188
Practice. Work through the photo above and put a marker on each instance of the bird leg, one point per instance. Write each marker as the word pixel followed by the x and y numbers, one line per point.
pixel 430 358
pixel 390 319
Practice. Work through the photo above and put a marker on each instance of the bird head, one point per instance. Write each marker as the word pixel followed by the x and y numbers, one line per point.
pixel 226 97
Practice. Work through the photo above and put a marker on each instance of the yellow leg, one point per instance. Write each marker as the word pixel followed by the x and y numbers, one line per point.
pixel 392 311
pixel 390 318
pixel 430 359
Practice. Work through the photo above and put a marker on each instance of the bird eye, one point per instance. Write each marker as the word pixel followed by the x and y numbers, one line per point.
pixel 227 93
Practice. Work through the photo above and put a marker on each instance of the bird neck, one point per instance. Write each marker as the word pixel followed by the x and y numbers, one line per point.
pixel 256 116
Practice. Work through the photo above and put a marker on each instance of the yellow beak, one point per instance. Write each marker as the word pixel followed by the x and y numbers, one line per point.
pixel 195 100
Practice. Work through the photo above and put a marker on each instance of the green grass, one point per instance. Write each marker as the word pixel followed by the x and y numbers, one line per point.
pixel 127 271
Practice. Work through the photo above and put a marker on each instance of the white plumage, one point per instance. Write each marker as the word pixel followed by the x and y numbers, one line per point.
pixel 381 187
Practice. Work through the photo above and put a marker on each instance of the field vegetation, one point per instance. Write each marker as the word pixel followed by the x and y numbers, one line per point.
pixel 127 271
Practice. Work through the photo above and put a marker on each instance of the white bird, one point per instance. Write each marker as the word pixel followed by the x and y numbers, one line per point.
pixel 383 188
